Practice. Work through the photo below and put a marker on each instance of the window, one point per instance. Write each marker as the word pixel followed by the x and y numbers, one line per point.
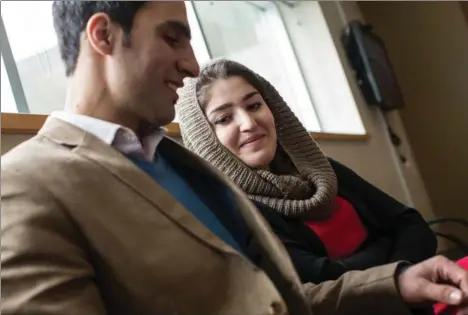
pixel 37 57
pixel 252 33
pixel 287 42
pixel 322 67
pixel 8 101
pixel 36 53
pixel 198 42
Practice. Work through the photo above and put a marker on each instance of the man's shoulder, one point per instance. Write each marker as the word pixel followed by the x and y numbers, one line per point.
pixel 34 147
pixel 33 156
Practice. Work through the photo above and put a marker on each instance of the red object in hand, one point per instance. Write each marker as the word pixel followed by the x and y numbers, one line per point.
pixel 444 309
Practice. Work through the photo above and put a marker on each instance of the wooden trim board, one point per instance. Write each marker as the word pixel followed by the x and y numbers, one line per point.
pixel 31 123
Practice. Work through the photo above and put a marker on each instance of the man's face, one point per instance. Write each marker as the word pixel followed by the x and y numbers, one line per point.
pixel 145 72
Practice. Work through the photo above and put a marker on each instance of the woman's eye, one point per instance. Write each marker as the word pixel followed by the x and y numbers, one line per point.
pixel 223 120
pixel 254 106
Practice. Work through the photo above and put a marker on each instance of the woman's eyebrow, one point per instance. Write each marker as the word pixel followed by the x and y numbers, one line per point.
pixel 249 95
pixel 221 107
pixel 228 105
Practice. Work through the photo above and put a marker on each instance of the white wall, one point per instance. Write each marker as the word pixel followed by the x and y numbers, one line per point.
pixel 374 159
pixel 428 45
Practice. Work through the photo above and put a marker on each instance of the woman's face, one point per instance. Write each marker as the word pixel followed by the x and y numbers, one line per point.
pixel 242 121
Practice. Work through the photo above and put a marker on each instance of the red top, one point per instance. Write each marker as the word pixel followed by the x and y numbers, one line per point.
pixel 343 232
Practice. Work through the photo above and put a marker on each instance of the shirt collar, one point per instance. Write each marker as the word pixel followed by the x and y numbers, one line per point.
pixel 119 137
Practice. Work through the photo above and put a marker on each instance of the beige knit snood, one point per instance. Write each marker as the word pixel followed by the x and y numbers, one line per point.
pixel 307 191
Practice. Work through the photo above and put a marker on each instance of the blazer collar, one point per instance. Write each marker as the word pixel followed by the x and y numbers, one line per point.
pixel 92 148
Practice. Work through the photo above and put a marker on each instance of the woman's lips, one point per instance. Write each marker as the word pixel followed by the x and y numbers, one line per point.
pixel 252 140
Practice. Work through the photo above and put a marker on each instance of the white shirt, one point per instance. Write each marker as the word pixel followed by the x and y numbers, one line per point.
pixel 119 137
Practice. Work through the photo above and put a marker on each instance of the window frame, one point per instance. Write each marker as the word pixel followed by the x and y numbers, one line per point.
pixel 30 124
pixel 12 71
pixel 26 123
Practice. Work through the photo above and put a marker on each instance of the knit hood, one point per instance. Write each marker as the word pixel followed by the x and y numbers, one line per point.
pixel 307 191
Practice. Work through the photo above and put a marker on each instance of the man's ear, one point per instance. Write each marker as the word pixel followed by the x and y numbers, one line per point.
pixel 100 33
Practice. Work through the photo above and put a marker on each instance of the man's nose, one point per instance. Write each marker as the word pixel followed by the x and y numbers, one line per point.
pixel 189 66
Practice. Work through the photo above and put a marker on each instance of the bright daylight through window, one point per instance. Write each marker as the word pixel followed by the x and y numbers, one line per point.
pixel 288 44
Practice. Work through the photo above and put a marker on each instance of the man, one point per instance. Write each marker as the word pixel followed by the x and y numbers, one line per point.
pixel 101 214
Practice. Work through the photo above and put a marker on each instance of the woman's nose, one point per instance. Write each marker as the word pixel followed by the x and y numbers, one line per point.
pixel 248 122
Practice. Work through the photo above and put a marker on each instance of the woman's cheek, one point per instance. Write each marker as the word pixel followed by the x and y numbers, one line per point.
pixel 228 138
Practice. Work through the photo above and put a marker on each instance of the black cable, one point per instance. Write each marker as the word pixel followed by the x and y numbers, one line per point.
pixel 394 138
pixel 449 220
pixel 461 244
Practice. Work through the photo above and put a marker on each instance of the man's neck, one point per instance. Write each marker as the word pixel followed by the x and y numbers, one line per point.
pixel 92 99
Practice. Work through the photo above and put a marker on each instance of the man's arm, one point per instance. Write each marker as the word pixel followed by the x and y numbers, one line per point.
pixel 373 291
pixel 393 289
pixel 44 269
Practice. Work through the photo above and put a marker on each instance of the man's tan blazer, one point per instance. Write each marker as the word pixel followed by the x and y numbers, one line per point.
pixel 85 232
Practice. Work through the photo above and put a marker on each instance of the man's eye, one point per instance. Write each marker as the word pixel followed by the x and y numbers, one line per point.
pixel 171 40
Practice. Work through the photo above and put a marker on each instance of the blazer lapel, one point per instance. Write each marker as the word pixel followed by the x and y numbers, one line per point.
pixel 274 255
pixel 87 145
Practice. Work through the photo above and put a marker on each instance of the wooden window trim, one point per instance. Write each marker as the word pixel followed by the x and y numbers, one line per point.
pixel 29 124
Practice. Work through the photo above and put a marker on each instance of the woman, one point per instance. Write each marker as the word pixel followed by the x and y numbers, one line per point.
pixel 329 219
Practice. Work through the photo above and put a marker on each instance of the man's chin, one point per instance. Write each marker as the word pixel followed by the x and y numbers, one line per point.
pixel 164 120
pixel 165 115
pixel 150 125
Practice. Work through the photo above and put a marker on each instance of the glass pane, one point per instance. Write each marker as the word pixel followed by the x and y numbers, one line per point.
pixel 232 29
pixel 252 33
pixel 37 56
pixel 322 67
pixel 198 42
pixel 36 53
pixel 7 99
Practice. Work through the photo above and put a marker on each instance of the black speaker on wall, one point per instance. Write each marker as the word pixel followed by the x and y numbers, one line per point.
pixel 374 73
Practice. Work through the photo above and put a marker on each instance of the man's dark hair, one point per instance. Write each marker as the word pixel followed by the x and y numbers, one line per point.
pixel 71 17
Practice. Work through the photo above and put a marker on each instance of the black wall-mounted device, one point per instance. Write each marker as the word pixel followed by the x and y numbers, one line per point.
pixel 374 73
